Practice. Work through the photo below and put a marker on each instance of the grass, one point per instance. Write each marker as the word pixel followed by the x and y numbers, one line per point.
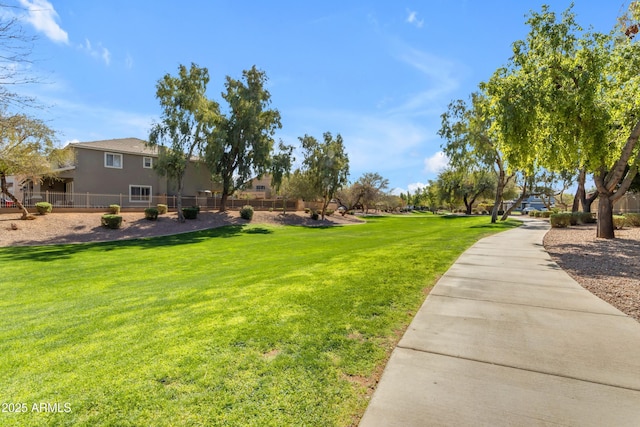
pixel 242 325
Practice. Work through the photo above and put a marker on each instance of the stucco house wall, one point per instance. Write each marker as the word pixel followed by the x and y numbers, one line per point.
pixel 124 167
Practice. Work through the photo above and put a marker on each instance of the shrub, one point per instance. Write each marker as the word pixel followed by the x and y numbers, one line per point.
pixel 246 212
pixel 307 210
pixel 162 209
pixel 532 212
pixel 633 219
pixel 114 209
pixel 537 214
pixel 315 215
pixel 44 208
pixel 190 213
pixel 151 214
pixel 618 221
pixel 560 220
pixel 329 212
pixel 576 218
pixel 111 221
pixel 546 214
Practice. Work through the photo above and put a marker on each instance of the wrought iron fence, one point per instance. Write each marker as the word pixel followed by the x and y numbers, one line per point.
pixel 97 201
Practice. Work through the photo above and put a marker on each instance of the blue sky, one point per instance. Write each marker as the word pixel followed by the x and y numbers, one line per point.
pixel 378 72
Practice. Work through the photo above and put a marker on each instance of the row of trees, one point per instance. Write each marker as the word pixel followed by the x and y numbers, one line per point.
pixel 564 107
pixel 238 144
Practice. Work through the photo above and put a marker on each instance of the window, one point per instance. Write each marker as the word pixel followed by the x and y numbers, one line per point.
pixel 139 193
pixel 112 160
pixel 147 162
pixel 260 188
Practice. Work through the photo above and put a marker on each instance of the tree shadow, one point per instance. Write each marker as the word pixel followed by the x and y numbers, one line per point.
pixel 258 230
pixel 621 258
pixel 66 251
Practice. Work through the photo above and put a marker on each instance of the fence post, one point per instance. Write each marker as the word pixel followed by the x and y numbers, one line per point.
pixel 86 204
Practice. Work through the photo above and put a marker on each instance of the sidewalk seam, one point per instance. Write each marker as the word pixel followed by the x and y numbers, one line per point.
pixel 519 368
pixel 529 305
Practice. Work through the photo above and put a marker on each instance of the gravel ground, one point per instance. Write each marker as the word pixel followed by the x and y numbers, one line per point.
pixel 607 268
pixel 57 228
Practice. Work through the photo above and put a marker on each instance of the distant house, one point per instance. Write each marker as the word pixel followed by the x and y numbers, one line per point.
pixel 259 188
pixel 530 203
pixel 119 166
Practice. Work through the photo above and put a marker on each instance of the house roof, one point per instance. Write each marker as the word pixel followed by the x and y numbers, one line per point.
pixel 122 145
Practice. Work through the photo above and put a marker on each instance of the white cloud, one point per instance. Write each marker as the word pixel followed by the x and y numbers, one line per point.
pixel 416 186
pixel 436 163
pixel 413 19
pixel 128 61
pixel 43 17
pixel 98 52
pixel 106 55
pixel 442 78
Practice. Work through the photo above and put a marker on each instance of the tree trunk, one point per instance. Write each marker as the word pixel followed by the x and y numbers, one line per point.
pixel 5 190
pixel 580 195
pixel 467 205
pixel 179 200
pixel 499 192
pixel 223 201
pixel 605 218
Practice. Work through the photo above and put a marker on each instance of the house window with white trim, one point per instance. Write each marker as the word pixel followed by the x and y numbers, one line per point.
pixel 113 160
pixel 139 193
pixel 147 162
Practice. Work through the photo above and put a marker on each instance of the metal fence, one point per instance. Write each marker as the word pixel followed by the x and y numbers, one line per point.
pixel 99 201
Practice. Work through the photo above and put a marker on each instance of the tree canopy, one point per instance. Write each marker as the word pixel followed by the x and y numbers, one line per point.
pixel 241 146
pixel 188 119
pixel 568 100
pixel 27 150
pixel 325 166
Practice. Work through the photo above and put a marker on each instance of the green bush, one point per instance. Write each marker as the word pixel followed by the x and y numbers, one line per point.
pixel 307 210
pixel 575 218
pixel 111 221
pixel 314 215
pixel 633 219
pixel 151 214
pixel 560 220
pixel 546 214
pixel 246 212
pixel 329 212
pixel 114 209
pixel 537 214
pixel 587 218
pixel 190 213
pixel 532 213
pixel 44 208
pixel 619 221
pixel 162 209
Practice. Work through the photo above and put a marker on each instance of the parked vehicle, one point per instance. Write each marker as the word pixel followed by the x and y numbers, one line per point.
pixel 6 202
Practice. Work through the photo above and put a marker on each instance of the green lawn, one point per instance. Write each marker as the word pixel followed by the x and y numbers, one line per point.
pixel 242 325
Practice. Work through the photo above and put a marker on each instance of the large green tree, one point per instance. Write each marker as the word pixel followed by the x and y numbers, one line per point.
pixel 27 150
pixel 366 192
pixel 467 187
pixel 242 145
pixel 568 99
pixel 472 140
pixel 188 119
pixel 325 166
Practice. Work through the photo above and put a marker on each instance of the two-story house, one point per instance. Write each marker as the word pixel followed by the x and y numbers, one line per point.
pixel 122 167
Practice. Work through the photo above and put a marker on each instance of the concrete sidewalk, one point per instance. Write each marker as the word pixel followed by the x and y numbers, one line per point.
pixel 507 338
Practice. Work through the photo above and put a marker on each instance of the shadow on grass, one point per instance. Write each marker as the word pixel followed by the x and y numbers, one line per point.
pixel 258 230
pixel 498 225
pixel 66 251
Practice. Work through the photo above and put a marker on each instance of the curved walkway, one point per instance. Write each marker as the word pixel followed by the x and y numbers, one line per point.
pixel 507 338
